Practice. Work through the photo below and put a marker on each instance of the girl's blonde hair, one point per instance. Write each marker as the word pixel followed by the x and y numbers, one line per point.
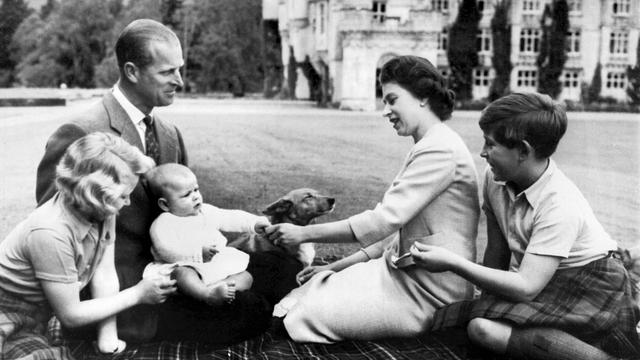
pixel 91 170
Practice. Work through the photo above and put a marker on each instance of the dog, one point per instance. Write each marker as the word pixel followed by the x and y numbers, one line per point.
pixel 298 207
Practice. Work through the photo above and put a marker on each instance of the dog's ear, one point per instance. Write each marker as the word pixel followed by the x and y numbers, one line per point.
pixel 281 206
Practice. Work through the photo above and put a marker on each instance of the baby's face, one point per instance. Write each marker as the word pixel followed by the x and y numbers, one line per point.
pixel 184 199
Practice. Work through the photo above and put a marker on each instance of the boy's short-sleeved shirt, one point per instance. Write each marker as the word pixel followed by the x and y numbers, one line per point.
pixel 551 217
pixel 52 244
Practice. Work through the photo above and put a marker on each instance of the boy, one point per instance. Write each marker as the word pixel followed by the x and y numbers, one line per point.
pixel 553 285
pixel 188 234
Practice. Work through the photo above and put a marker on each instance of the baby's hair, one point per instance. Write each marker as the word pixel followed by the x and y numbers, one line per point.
pixel 419 77
pixel 533 117
pixel 91 170
pixel 162 178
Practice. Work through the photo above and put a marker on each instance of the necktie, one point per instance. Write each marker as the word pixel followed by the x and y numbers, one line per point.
pixel 151 140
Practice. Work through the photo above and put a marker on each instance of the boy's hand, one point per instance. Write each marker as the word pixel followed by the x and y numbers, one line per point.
pixel 433 258
pixel 208 252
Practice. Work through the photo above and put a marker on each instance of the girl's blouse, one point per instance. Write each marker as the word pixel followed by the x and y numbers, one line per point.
pixel 52 244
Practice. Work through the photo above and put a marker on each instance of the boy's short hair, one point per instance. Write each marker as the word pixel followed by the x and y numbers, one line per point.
pixel 92 168
pixel 533 117
pixel 162 178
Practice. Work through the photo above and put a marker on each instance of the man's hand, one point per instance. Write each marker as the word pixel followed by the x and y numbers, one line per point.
pixel 208 252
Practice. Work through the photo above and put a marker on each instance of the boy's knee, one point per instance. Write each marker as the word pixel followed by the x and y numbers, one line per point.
pixel 479 331
pixel 491 334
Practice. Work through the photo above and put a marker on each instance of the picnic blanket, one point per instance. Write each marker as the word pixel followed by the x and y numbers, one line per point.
pixel 275 344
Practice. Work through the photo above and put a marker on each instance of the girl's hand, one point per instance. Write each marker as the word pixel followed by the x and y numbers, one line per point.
pixel 285 234
pixel 156 290
pixel 433 258
pixel 308 272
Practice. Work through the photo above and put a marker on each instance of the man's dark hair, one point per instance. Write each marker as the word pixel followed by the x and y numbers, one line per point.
pixel 133 43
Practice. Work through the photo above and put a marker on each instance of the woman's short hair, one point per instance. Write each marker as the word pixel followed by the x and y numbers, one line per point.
pixel 90 172
pixel 419 77
pixel 533 117
pixel 133 43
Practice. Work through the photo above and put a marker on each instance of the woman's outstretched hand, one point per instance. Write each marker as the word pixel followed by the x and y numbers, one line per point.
pixel 433 258
pixel 308 272
pixel 285 234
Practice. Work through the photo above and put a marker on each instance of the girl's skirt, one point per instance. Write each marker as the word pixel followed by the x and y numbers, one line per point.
pixel 22 330
pixel 593 303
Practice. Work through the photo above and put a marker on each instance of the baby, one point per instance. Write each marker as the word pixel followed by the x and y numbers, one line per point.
pixel 187 236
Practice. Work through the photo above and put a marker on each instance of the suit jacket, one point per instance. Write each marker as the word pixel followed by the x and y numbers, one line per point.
pixel 133 244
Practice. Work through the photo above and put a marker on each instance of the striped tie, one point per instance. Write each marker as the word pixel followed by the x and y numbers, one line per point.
pixel 151 140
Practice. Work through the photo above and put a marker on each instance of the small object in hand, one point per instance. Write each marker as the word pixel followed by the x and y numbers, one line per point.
pixel 396 259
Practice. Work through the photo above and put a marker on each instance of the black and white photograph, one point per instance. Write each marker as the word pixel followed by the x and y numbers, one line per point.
pixel 320 179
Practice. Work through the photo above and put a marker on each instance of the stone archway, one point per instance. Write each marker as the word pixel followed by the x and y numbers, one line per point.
pixel 383 59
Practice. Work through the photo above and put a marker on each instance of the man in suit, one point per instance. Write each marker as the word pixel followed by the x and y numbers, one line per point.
pixel 149 59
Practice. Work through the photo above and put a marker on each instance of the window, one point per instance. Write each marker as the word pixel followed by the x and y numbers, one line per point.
pixel 484 40
pixel 573 41
pixel 527 78
pixel 481 77
pixel 443 38
pixel 322 16
pixel 619 42
pixel 379 8
pixel 575 5
pixel 445 73
pixel 482 5
pixel 616 80
pixel 531 6
pixel 312 12
pixel 440 5
pixel 621 7
pixel 529 40
pixel 570 79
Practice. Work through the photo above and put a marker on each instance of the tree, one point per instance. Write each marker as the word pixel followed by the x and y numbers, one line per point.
pixel 593 92
pixel 271 58
pixel 47 8
pixel 226 50
pixel 12 12
pixel 501 36
pixel 552 57
pixel 633 76
pixel 169 10
pixel 462 53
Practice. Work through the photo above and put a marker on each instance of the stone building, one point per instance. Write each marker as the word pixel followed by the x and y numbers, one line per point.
pixel 347 41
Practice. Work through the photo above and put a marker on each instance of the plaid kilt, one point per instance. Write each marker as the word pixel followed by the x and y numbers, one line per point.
pixel 592 302
pixel 22 331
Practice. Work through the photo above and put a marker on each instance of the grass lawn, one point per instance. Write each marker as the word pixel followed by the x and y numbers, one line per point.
pixel 248 153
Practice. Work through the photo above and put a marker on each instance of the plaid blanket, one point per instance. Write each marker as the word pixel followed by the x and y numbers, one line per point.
pixel 592 302
pixel 274 344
